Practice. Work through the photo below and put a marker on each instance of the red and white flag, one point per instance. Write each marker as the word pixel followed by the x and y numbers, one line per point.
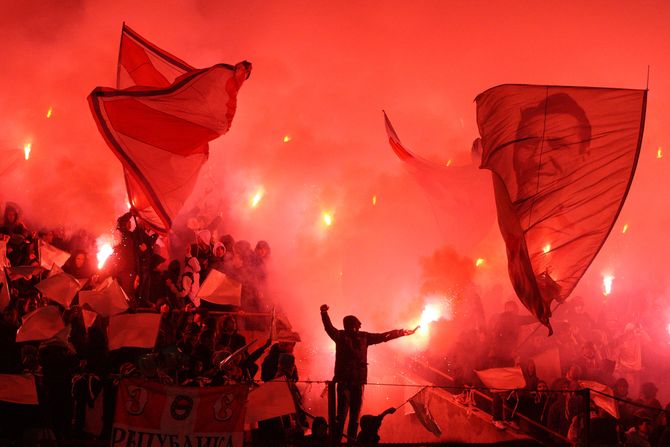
pixel 159 120
pixel 270 400
pixel 171 415
pixel 219 289
pixel 601 398
pixel 133 331
pixel 502 378
pixel 18 389
pixel 562 160
pixel 60 288
pixel 460 195
pixel 41 324
pixel 108 301
pixel 50 255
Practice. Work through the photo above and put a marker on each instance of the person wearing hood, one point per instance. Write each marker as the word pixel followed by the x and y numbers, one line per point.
pixel 217 259
pixel 351 366
pixel 78 265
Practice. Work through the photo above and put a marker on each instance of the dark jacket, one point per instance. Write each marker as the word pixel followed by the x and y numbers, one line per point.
pixel 351 350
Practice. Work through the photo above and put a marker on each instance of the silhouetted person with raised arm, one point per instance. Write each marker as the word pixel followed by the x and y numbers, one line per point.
pixel 351 366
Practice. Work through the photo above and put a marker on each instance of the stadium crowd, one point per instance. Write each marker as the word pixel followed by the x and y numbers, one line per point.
pixel 200 344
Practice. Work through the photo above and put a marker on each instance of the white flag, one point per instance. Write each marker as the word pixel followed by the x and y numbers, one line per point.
pixel 133 331
pixel 219 289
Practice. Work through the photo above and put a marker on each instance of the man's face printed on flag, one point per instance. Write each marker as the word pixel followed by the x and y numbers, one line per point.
pixel 553 138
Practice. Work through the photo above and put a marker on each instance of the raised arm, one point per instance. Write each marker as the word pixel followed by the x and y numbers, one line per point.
pixel 373 339
pixel 327 325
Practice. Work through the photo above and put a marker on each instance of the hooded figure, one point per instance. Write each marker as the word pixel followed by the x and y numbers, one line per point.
pixel 351 366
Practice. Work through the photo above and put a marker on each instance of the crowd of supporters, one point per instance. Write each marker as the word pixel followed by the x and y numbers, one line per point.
pixel 620 353
pixel 200 343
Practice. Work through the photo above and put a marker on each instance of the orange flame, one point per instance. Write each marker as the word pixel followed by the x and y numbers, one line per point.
pixel 607 284
pixel 327 218
pixel 659 153
pixel 624 229
pixel 50 112
pixel 374 200
pixel 26 150
pixel 104 251
pixel 257 197
pixel 449 162
pixel 479 262
pixel 546 249
pixel 287 138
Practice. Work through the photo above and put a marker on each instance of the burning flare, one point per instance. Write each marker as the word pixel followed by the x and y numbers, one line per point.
pixel 287 138
pixel 257 197
pixel 374 200
pixel 50 112
pixel 659 153
pixel 327 218
pixel 624 229
pixel 104 251
pixel 546 249
pixel 607 284
pixel 26 150
pixel 479 262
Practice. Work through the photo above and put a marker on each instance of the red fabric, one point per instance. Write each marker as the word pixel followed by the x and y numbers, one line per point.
pixel 458 195
pixel 159 126
pixel 563 159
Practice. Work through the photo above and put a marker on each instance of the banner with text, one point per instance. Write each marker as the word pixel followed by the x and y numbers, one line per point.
pixel 149 414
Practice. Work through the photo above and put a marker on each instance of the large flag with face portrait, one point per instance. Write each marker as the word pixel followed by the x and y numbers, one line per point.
pixel 159 120
pixel 563 160
pixel 459 195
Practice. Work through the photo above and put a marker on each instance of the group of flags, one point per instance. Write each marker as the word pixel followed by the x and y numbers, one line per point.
pixel 562 160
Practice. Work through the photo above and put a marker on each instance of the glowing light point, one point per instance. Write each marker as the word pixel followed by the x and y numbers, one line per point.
pixel 257 197
pixel 607 284
pixel 327 218
pixel 287 138
pixel 374 200
pixel 624 229
pixel 26 150
pixel 659 153
pixel 449 162
pixel 127 204
pixel 50 112
pixel 479 262
pixel 104 252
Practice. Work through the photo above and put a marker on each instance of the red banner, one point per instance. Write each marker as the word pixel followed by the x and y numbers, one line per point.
pixel 149 414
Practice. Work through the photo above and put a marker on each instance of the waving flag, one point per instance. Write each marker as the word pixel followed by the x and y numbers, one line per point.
pixel 18 389
pixel 41 324
pixel 60 288
pixel 420 402
pixel 50 255
pixel 219 289
pixel 133 331
pixel 160 124
pixel 109 299
pixel 563 159
pixel 459 195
